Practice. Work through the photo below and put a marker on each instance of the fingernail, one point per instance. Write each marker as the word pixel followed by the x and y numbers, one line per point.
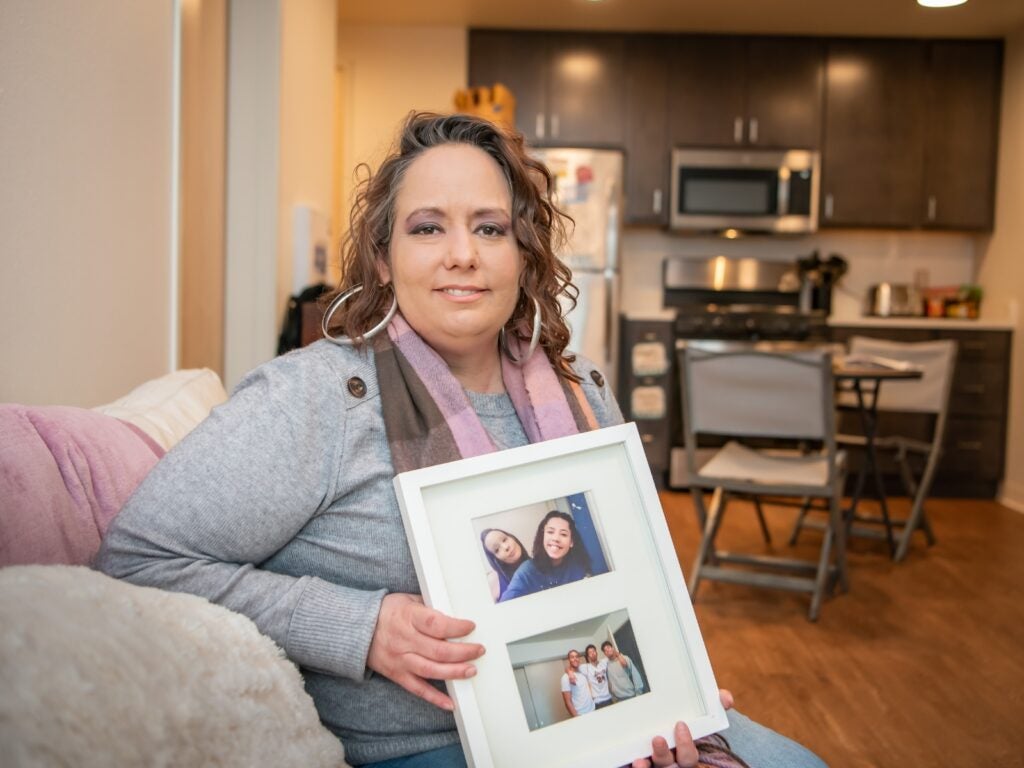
pixel 450 706
pixel 471 672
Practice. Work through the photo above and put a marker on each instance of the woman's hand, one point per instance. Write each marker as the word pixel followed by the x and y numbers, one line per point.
pixel 410 646
pixel 685 754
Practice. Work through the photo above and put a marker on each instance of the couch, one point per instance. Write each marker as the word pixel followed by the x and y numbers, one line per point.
pixel 98 672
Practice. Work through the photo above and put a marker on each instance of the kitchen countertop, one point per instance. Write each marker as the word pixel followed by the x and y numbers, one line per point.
pixel 950 323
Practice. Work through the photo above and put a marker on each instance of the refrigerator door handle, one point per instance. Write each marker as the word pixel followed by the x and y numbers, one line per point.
pixel 609 319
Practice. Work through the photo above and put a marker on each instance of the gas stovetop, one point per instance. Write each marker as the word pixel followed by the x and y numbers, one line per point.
pixel 745 321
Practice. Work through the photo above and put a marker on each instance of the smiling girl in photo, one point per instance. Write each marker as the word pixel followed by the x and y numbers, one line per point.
pixel 558 558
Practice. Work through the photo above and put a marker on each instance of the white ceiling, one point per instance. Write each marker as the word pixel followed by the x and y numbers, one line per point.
pixel 905 18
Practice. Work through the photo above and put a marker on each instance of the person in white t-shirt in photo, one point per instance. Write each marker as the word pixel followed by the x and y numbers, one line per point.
pixel 575 688
pixel 596 673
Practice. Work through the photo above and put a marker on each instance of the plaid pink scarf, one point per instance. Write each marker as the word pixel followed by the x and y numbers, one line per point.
pixel 429 419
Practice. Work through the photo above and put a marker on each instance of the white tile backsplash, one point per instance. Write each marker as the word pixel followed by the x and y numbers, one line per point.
pixel 934 258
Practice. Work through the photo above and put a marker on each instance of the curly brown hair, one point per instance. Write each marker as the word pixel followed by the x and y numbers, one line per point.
pixel 539 227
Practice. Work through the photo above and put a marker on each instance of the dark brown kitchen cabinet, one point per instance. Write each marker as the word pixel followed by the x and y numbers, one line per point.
pixel 587 88
pixel 647 145
pixel 961 134
pixel 785 91
pixel 911 131
pixel 874 129
pixel 974 447
pixel 752 91
pixel 519 61
pixel 569 87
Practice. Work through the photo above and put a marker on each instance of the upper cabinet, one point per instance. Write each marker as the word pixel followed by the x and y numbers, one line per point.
pixel 519 61
pixel 907 129
pixel 911 133
pixel 569 87
pixel 752 91
pixel 587 86
pixel 961 134
pixel 874 127
pixel 648 149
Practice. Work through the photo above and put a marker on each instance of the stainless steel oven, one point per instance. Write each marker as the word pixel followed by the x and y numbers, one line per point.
pixel 722 298
pixel 704 298
pixel 744 190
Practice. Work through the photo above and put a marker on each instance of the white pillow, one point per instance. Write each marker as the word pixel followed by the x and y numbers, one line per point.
pixel 168 408
pixel 98 673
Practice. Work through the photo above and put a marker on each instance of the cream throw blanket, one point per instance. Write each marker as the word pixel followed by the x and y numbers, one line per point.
pixel 97 672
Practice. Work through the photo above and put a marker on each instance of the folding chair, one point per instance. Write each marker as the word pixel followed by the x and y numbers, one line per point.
pixel 927 395
pixel 763 390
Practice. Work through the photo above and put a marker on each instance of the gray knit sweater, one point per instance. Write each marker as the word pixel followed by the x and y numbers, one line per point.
pixel 280 506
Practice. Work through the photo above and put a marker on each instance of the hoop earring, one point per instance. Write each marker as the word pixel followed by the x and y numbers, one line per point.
pixel 534 339
pixel 346 341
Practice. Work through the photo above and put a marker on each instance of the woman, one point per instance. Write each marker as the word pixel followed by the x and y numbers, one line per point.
pixel 280 505
pixel 558 558
pixel 505 553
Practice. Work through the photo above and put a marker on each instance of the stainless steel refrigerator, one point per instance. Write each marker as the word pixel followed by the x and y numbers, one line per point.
pixel 589 183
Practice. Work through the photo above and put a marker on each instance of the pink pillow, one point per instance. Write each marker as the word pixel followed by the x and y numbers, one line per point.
pixel 64 473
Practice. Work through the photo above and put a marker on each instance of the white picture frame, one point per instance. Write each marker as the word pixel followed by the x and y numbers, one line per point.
pixel 439 505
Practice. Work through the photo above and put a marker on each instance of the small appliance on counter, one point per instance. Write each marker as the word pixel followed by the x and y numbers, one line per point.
pixel 894 300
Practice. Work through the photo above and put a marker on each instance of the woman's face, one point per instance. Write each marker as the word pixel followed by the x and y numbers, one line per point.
pixel 503 547
pixel 454 261
pixel 557 539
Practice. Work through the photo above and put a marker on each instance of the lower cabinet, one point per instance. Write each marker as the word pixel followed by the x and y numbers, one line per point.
pixel 974 448
pixel 647 390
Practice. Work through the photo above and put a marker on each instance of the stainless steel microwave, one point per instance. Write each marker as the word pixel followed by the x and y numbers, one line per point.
pixel 744 190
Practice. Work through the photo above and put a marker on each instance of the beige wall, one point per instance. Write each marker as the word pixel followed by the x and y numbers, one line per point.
pixel 308 49
pixel 85 198
pixel 1001 256
pixel 389 71
pixel 203 118
pixel 280 152
pixel 251 200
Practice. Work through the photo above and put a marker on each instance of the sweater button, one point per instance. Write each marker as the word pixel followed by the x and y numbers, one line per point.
pixel 597 377
pixel 357 386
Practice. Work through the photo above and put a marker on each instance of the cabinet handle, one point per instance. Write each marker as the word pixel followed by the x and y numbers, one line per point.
pixel 554 126
pixel 973 389
pixel 656 201
pixel 974 346
pixel 829 206
pixel 968 445
pixel 540 125
pixel 737 130
pixel 933 206
pixel 753 130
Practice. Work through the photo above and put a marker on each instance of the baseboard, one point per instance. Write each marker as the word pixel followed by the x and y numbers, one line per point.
pixel 1012 495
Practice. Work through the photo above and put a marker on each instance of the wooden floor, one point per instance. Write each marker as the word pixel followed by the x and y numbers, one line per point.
pixel 921 663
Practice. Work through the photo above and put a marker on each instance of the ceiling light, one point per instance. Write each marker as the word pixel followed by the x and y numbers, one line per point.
pixel 940 3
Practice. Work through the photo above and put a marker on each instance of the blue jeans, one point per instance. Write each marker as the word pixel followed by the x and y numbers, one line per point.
pixel 759 746
pixel 445 757
pixel 764 748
